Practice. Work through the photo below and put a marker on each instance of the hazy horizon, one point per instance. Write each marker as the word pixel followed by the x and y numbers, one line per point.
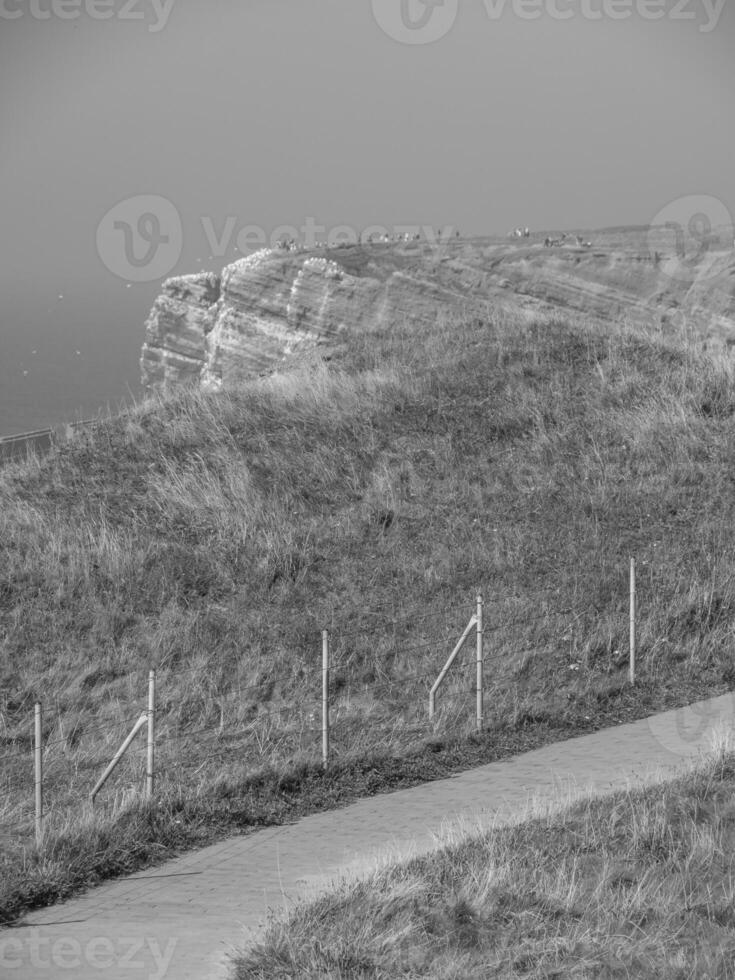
pixel 277 112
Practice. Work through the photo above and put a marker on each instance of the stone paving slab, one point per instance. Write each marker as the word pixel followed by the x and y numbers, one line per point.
pixel 181 921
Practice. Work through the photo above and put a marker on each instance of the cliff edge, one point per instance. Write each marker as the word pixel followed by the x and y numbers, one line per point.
pixel 272 305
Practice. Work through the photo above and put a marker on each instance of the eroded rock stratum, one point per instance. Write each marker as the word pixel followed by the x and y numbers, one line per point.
pixel 273 305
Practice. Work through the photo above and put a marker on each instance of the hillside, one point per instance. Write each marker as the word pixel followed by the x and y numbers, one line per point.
pixel 214 534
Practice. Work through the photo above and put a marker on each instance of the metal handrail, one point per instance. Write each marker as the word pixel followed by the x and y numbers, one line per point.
pixel 448 664
pixel 119 754
pixel 12 446
pixel 476 621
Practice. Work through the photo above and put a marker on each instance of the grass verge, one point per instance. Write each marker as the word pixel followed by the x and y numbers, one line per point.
pixel 640 883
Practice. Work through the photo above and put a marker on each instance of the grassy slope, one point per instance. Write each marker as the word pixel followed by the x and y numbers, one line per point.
pixel 214 536
pixel 639 884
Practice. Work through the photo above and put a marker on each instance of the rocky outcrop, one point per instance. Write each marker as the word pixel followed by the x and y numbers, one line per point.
pixel 176 330
pixel 273 305
pixel 269 306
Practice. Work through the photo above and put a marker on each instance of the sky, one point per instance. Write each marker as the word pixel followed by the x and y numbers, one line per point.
pixel 147 138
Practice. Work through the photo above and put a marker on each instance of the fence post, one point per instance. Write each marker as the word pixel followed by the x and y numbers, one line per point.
pixel 631 674
pixel 149 774
pixel 325 698
pixel 479 662
pixel 38 754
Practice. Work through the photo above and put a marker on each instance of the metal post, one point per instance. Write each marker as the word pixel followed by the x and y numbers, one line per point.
pixel 631 674
pixel 325 698
pixel 479 662
pixel 149 774
pixel 38 754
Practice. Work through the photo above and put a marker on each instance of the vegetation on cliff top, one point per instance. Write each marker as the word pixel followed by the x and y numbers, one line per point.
pixel 214 536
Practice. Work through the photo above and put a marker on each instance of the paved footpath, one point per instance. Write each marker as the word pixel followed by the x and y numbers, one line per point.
pixel 181 921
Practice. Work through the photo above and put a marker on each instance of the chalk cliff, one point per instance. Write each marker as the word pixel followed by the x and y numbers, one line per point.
pixel 270 306
pixel 632 280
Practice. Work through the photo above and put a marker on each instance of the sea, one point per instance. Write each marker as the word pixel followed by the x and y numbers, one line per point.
pixel 70 352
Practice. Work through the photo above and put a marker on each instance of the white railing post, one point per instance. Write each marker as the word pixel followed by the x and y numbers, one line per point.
pixel 149 774
pixel 631 674
pixel 38 755
pixel 478 617
pixel 325 698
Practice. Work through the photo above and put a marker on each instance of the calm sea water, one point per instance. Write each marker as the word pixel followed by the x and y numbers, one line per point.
pixel 69 358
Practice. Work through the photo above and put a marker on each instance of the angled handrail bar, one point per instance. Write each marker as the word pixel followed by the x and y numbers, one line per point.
pixel 448 664
pixel 119 754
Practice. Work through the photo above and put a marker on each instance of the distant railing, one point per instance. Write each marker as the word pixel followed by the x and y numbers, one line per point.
pixel 39 440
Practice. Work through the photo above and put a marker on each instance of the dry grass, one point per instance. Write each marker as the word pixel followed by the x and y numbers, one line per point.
pixel 637 884
pixel 214 536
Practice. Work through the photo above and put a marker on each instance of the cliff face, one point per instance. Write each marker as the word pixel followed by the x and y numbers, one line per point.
pixel 272 305
pixel 267 307
pixel 635 285
pixel 174 348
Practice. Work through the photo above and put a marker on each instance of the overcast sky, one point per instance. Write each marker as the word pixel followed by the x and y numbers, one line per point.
pixel 479 114
pixel 277 111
